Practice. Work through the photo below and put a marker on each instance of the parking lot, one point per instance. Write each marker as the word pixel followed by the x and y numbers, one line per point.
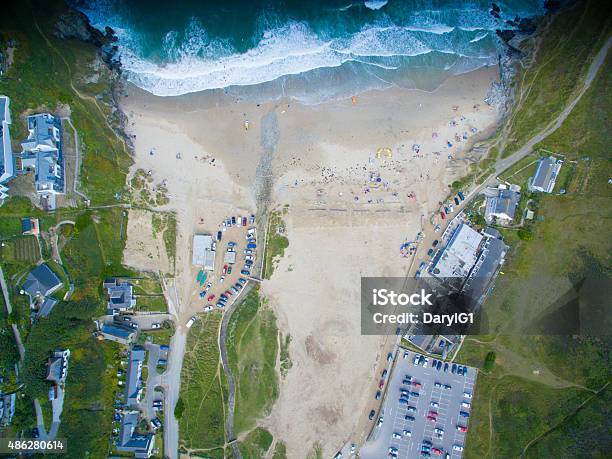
pixel 440 396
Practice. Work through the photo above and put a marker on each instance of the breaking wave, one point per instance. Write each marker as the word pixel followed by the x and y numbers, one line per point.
pixel 192 60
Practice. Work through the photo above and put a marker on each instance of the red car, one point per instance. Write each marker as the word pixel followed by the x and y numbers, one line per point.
pixel 431 418
pixel 244 221
pixel 228 293
pixel 436 451
pixel 211 297
pixel 443 215
pixel 462 428
pixel 432 413
pixel 416 384
pixel 225 269
pixel 381 383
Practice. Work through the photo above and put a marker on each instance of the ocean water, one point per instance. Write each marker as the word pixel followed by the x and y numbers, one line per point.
pixel 307 50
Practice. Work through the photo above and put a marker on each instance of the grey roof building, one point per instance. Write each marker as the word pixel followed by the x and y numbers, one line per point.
pixel 133 389
pixel 545 175
pixel 46 307
pixel 130 441
pixel 41 282
pixel 203 254
pixel 43 152
pixel 485 270
pixel 7 164
pixel 118 334
pixel 57 366
pixel 503 206
pixel 120 296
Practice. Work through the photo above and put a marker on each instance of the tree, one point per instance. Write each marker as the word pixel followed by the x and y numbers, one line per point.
pixel 179 409
pixel 489 362
pixel 525 234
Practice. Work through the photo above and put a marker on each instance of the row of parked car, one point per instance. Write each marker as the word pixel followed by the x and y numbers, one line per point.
pixel 449 208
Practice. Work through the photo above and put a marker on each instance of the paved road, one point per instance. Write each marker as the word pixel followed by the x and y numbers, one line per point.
pixel 171 382
pixel 505 163
pixel 9 308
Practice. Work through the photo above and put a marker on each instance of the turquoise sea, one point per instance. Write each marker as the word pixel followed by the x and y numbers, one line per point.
pixel 308 50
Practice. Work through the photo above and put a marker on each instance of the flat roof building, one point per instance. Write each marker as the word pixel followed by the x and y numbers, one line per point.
pixel 459 255
pixel 203 253
pixel 545 176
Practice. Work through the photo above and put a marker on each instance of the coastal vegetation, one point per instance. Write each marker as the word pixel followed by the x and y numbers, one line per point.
pixel 256 444
pixel 550 388
pixel 276 242
pixel 561 61
pixel 252 348
pixel 204 389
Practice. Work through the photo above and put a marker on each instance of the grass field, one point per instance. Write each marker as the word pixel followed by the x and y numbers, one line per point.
pixel 546 394
pixel 571 41
pixel 252 349
pixel 203 387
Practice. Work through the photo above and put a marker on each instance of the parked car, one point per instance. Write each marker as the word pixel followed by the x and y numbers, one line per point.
pixel 245 272
pixel 211 297
pixel 442 215
pixel 219 235
pixel 378 394
pixel 435 243
pixel 371 415
pixel 155 326
pixel 221 279
pixel 233 220
pixel 456 201
pixel 225 269
pixel 461 196
pixel 208 308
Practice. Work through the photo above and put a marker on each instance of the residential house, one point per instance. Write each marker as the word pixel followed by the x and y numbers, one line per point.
pixel 120 296
pixel 141 445
pixel 502 206
pixel 7 405
pixel 46 307
pixel 7 162
pixel 546 174
pixel 133 389
pixel 30 226
pixel 57 366
pixel 40 283
pixel 118 334
pixel 42 152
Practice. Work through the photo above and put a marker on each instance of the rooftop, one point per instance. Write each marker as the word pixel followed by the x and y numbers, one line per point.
pixel 41 281
pixel 545 175
pixel 203 255
pixel 459 255
pixel 133 384
pixel 503 205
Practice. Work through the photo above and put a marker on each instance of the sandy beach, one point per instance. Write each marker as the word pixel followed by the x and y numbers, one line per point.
pixel 357 175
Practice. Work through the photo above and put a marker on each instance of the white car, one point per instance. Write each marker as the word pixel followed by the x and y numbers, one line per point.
pixel 191 321
pixel 221 279
pixel 438 430
pixel 208 308
pixel 397 435
pixel 426 362
pixel 407 433
pixel 457 447
pixel 208 287
pixel 416 360
pixel 434 404
pixel 214 246
pixel 155 326
pixel 466 404
pixel 250 258
pixel 467 395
